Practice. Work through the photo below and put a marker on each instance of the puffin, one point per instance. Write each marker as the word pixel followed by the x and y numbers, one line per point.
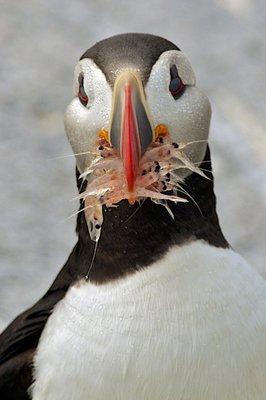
pixel 153 303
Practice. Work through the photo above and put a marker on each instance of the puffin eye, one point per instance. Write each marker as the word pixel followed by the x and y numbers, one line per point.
pixel 81 93
pixel 176 85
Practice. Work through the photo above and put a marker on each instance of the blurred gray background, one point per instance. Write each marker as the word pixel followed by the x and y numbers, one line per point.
pixel 41 42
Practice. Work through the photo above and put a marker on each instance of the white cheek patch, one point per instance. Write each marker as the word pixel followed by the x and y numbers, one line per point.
pixel 188 117
pixel 80 132
pixel 83 123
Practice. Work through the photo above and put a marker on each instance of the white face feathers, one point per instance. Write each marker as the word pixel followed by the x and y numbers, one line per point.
pixel 187 117
pixel 82 123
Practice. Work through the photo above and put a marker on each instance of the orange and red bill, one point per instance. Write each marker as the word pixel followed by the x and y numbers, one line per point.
pixel 130 131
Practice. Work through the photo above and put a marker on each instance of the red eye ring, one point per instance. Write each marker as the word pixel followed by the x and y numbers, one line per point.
pixel 176 86
pixel 83 98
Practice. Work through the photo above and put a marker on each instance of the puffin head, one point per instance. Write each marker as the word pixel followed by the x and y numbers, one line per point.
pixel 130 87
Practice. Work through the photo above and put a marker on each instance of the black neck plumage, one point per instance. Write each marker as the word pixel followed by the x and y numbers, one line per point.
pixel 135 236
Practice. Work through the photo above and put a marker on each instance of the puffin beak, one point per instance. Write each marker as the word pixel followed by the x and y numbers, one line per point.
pixel 130 130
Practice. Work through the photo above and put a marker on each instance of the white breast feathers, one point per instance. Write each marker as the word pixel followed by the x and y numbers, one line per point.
pixel 190 327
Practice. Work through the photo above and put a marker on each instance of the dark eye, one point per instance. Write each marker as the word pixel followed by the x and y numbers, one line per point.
pixel 176 85
pixel 81 93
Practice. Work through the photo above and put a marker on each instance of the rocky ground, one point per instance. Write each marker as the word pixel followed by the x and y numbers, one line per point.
pixel 40 43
